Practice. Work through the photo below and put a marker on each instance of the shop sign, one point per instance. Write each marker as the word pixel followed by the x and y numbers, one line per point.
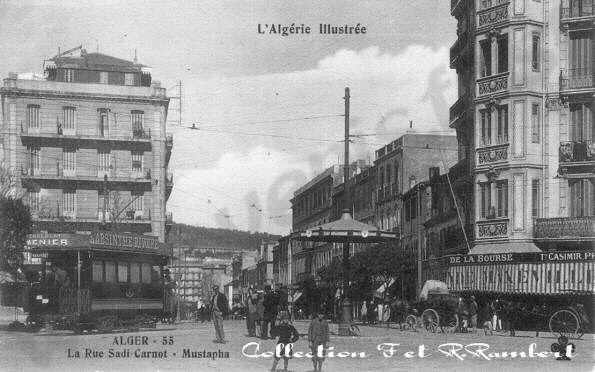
pixel 135 242
pixel 520 257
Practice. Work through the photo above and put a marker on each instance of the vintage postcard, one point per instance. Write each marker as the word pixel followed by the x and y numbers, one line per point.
pixel 339 185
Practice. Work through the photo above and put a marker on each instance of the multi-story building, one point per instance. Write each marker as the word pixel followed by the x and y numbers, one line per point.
pixel 264 264
pixel 88 144
pixel 312 206
pixel 527 99
pixel 443 223
pixel 403 163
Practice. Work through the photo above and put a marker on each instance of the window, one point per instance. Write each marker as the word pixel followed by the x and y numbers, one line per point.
pixel 69 202
pixel 502 54
pixel 34 160
pixel 582 122
pixel 485 58
pixel 68 75
pixel 536 52
pixel 33 116
pixel 137 201
pixel 122 272
pixel 486 127
pixel 535 123
pixel 486 198
pixel 502 124
pixel 580 59
pixel 68 118
pixel 137 118
pixel 414 207
pixel 580 8
pixel 103 161
pixel 502 198
pixel 97 271
pixel 103 129
pixel 582 198
pixel 535 198
pixel 128 79
pixel 69 162
pixel 103 77
pixel 110 272
pixel 33 197
pixel 146 273
pixel 137 162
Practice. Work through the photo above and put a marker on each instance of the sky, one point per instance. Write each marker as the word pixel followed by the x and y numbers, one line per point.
pixel 268 107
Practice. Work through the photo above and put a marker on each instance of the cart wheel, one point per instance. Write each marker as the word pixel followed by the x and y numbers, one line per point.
pixel 430 320
pixel 411 322
pixel 452 324
pixel 106 324
pixel 564 323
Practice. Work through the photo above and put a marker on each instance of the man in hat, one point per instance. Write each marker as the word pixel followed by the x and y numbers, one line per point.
pixel 473 309
pixel 219 309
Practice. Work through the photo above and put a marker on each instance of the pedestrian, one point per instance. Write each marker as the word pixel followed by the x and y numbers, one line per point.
pixel 219 309
pixel 270 303
pixel 287 336
pixel 252 312
pixel 364 314
pixel 200 308
pixel 460 315
pixel 473 312
pixel 318 340
pixel 259 313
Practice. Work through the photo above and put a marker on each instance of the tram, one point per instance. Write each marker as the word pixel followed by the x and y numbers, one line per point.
pixel 103 281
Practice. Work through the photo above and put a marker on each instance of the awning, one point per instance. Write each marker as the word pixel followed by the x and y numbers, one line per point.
pixel 509 247
pixel 433 286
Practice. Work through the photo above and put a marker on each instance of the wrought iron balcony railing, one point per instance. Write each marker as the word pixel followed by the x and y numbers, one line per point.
pixel 492 154
pixel 564 228
pixel 576 9
pixel 494 228
pixel 490 16
pixel 572 152
pixel 576 78
pixel 492 84
pixel 458 108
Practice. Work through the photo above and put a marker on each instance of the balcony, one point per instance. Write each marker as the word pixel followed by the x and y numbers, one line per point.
pixel 492 229
pixel 58 221
pixel 492 13
pixel 565 228
pixel 577 158
pixel 492 154
pixel 89 176
pixel 492 84
pixel 54 88
pixel 458 109
pixel 577 11
pixel 67 137
pixel 459 49
pixel 576 79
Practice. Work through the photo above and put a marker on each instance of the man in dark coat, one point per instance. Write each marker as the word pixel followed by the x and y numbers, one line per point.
pixel 219 309
pixel 271 302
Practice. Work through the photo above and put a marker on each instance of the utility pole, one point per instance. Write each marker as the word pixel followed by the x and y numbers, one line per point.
pixel 346 316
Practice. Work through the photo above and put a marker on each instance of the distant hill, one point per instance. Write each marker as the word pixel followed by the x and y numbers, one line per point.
pixel 202 237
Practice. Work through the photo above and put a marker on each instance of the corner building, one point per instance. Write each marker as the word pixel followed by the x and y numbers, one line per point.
pixel 529 101
pixel 88 145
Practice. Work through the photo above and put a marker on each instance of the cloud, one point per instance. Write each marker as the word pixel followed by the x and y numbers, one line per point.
pixel 244 153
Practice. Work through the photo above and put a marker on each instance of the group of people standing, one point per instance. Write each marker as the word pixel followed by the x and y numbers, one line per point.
pixel 262 310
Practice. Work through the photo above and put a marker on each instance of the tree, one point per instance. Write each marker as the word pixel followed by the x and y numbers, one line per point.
pixel 15 223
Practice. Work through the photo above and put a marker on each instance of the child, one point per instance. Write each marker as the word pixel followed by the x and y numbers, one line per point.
pixel 287 335
pixel 318 336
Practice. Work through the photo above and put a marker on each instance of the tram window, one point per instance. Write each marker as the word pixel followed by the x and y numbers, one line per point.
pixel 110 272
pixel 146 273
pixel 122 272
pixel 156 274
pixel 97 271
pixel 134 272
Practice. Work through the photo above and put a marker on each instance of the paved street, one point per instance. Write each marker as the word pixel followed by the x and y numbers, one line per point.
pixel 21 351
